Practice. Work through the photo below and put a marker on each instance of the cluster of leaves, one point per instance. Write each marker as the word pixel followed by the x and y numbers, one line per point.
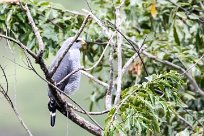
pixel 54 22
pixel 142 111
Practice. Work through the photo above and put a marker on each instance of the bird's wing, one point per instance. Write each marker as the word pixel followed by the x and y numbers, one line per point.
pixel 74 80
pixel 61 72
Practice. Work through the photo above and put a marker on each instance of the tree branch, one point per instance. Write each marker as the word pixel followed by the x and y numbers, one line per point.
pixel 95 79
pixel 99 60
pixel 119 53
pixel 36 32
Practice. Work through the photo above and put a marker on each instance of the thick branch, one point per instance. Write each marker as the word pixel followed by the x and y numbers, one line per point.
pixel 83 123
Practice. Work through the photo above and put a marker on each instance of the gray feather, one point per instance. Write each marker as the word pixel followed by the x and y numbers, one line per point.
pixel 70 62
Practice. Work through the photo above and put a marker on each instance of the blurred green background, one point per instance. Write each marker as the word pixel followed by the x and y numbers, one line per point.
pixel 31 95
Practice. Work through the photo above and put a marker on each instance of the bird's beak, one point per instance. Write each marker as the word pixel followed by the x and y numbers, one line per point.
pixel 83 44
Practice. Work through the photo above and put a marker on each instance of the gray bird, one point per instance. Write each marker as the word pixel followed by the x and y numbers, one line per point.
pixel 70 62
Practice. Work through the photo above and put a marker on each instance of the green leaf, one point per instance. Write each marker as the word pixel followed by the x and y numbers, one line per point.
pixel 176 37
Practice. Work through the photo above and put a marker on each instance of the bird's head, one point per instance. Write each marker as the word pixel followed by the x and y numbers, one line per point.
pixel 79 43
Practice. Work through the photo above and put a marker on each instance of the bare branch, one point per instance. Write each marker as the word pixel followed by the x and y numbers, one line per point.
pixel 127 64
pixel 69 11
pixel 100 58
pixel 36 32
pixel 67 76
pixel 90 113
pixel 53 70
pixel 83 123
pixel 95 79
pixel 119 53
pixel 6 79
pixel 16 63
pixel 194 64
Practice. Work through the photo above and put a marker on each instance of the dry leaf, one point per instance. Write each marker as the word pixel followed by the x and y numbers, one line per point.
pixel 153 9
pixel 135 68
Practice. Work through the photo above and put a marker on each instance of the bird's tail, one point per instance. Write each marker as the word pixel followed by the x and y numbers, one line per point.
pixel 52 108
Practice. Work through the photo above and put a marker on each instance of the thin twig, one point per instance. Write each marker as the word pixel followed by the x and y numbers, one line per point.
pixel 90 113
pixel 127 64
pixel 70 74
pixel 12 105
pixel 194 64
pixel 5 77
pixel 53 70
pixel 16 63
pixel 99 22
pixel 186 11
pixel 21 45
pixel 69 11
pixel 100 58
pixel 95 79
pixel 14 59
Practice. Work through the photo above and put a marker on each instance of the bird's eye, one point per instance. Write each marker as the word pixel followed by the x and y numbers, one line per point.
pixel 78 40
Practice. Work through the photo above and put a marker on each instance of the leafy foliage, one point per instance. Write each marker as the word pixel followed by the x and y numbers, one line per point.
pixel 142 111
